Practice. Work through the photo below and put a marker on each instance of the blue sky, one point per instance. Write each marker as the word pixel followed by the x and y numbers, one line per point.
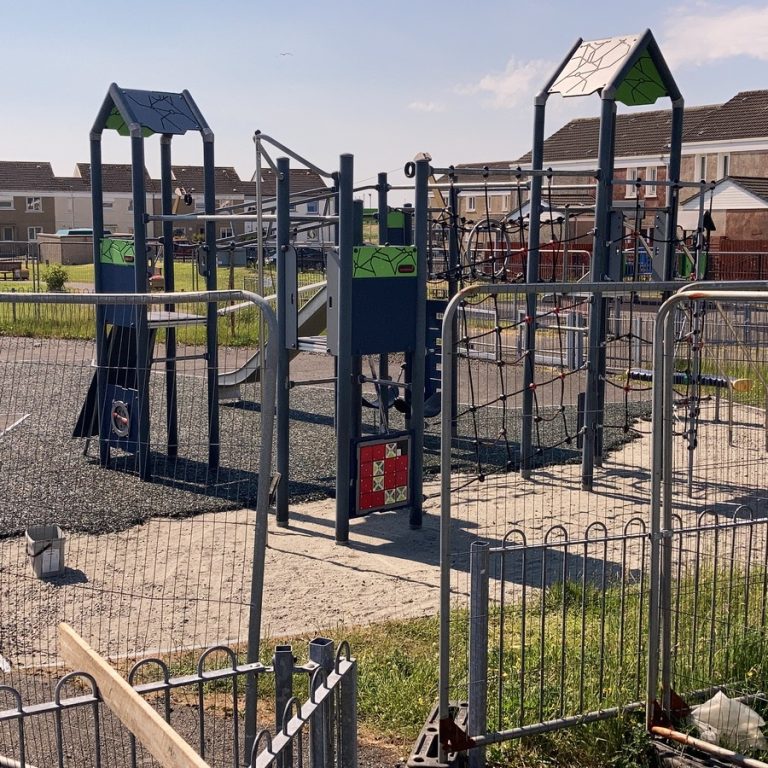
pixel 381 80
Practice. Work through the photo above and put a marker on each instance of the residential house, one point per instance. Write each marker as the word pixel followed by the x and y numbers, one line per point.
pixel 34 200
pixel 309 196
pixel 230 192
pixel 241 197
pixel 737 204
pixel 719 140
pixel 117 186
pixel 28 192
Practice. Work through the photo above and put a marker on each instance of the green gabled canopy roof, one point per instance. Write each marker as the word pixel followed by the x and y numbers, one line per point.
pixel 631 67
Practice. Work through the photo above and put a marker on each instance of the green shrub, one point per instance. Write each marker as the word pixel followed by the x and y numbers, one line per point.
pixel 55 276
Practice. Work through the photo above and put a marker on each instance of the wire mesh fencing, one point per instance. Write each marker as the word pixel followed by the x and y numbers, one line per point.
pixel 709 494
pixel 589 587
pixel 134 566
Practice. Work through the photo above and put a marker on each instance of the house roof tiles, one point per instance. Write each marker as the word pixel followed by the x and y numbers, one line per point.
pixel 637 133
pixel 745 116
pixel 302 180
pixel 647 133
pixel 191 177
pixel 16 175
pixel 753 184
pixel 757 186
pixel 116 177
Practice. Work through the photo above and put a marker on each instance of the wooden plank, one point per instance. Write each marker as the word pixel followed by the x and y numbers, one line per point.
pixel 157 736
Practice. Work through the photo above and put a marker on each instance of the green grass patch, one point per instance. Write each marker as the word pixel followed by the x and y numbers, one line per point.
pixel 240 329
pixel 718 640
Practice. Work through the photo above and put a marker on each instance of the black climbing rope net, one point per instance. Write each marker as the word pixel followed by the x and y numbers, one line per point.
pixel 492 380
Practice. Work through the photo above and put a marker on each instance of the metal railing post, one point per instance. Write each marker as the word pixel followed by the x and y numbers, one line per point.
pixel 283 364
pixel 282 663
pixel 570 341
pixel 347 746
pixel 321 732
pixel 479 562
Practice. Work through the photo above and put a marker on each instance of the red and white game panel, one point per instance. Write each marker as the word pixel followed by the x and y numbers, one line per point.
pixel 383 479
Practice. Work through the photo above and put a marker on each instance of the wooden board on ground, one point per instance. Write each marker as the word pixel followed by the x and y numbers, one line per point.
pixel 157 736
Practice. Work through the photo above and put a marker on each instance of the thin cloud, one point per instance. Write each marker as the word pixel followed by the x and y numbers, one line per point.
pixel 514 86
pixel 426 106
pixel 704 32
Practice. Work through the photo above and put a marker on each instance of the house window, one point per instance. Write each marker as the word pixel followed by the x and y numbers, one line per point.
pixel 651 175
pixel 471 203
pixel 723 166
pixel 313 207
pixel 6 203
pixel 108 203
pixel 700 169
pixel 631 189
pixel 34 204
pixel 130 204
pixel 200 204
pixel 33 232
pixel 7 233
pixel 225 232
pixel 505 202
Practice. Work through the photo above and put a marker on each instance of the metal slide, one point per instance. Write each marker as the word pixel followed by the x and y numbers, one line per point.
pixel 312 321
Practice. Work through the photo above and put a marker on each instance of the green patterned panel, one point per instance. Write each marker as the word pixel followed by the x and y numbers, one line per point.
pixel 384 261
pixel 121 253
pixel 115 122
pixel 642 85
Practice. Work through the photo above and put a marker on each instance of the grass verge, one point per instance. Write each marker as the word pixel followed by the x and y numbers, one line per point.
pixel 398 666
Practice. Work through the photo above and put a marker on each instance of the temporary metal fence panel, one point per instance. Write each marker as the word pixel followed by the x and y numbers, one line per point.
pixel 305 714
pixel 148 567
pixel 500 475
pixel 572 611
pixel 709 498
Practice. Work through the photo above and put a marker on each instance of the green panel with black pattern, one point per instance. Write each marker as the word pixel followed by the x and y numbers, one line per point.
pixel 120 253
pixel 372 261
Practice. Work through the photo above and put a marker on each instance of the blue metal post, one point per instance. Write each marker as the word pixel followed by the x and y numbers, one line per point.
pixel 344 383
pixel 382 187
pixel 356 399
pixel 675 151
pixel 454 264
pixel 143 352
pixel 531 277
pixel 601 252
pixel 166 194
pixel 211 325
pixel 97 204
pixel 283 367
pixel 418 363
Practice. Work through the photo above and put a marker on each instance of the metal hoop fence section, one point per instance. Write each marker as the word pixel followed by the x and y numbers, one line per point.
pixel 305 713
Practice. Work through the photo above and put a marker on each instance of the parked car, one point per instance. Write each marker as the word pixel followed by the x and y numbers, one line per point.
pixel 310 259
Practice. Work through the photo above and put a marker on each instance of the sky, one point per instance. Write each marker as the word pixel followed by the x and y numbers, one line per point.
pixel 383 81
